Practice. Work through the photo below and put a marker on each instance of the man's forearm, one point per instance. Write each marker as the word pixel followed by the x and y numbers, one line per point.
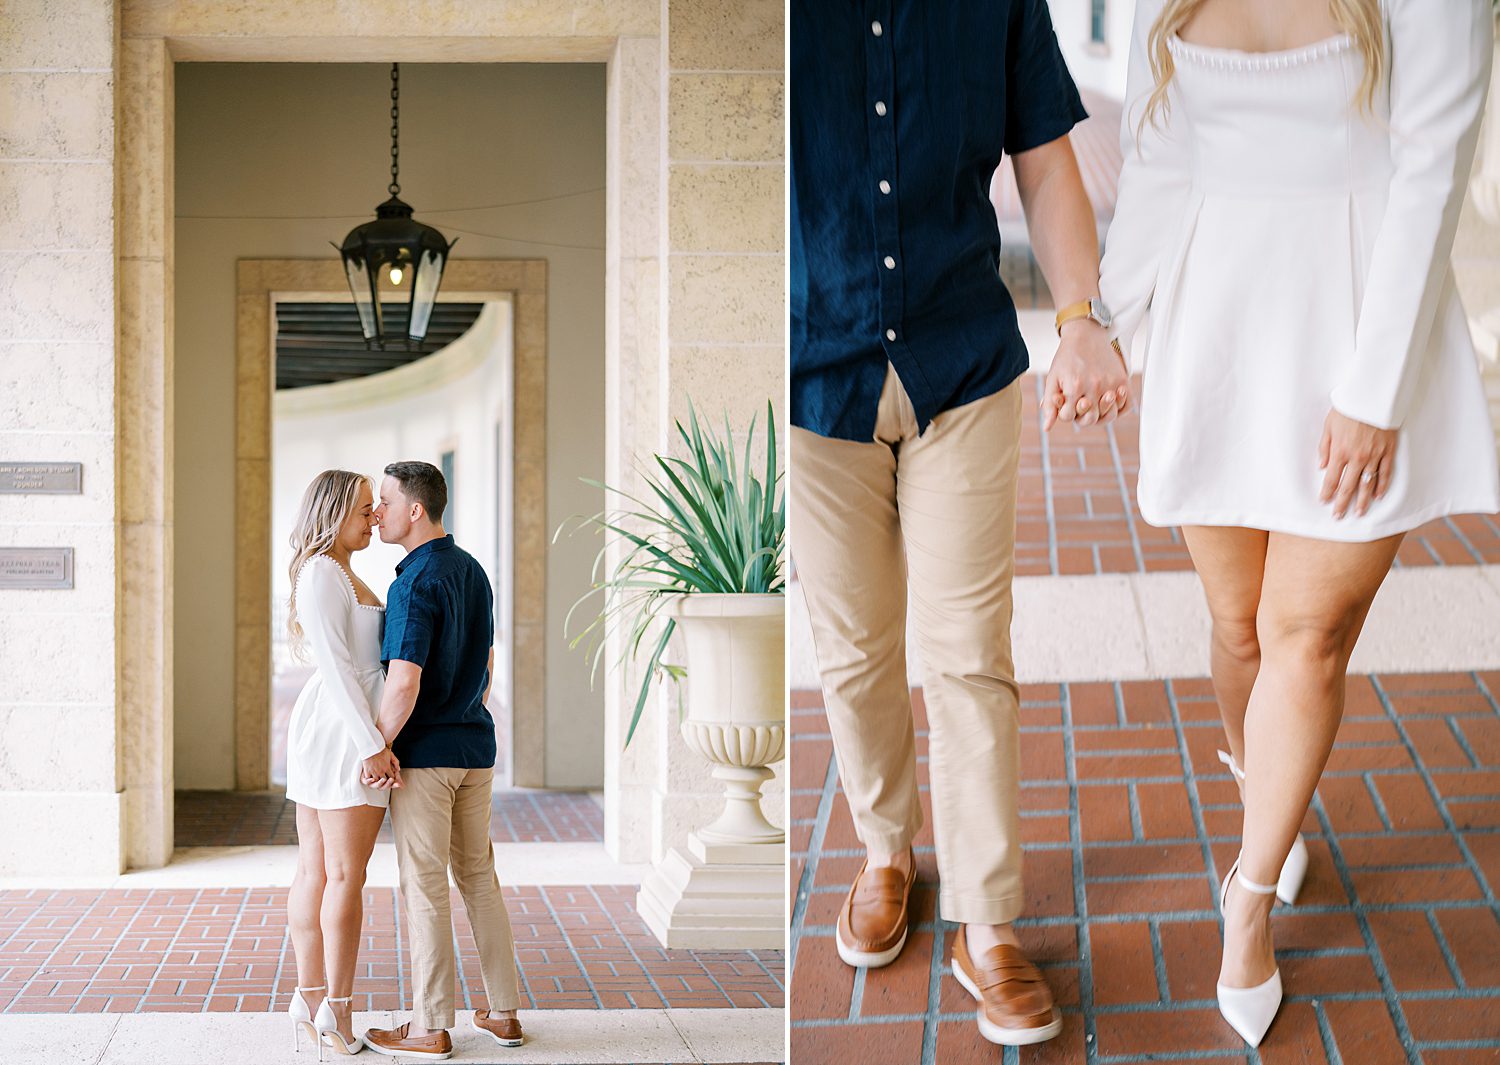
pixel 1060 220
pixel 396 706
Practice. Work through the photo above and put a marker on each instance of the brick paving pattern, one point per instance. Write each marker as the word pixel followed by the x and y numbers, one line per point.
pixel 226 949
pixel 1391 954
pixel 249 818
pixel 1077 510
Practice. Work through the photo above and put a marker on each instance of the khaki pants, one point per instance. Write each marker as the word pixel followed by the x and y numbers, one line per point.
pixel 946 501
pixel 442 817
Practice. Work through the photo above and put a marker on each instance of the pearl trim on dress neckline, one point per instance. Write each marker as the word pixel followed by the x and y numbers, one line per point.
pixel 347 580
pixel 1235 59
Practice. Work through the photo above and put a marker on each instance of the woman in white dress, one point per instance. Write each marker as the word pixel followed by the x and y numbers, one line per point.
pixel 331 740
pixel 1293 174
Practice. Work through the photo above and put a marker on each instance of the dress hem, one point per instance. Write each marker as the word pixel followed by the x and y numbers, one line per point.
pixel 341 806
pixel 1365 534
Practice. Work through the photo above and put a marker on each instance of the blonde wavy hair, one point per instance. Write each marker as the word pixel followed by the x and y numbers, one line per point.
pixel 1359 18
pixel 326 505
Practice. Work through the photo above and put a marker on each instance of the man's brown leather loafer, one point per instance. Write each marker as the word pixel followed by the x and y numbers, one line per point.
pixel 504 1030
pixel 872 925
pixel 1015 1003
pixel 395 1043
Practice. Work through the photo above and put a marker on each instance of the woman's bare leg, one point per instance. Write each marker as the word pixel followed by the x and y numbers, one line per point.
pixel 1314 601
pixel 1231 565
pixel 303 903
pixel 348 840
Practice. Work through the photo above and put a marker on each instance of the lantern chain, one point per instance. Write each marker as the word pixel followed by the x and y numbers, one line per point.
pixel 395 185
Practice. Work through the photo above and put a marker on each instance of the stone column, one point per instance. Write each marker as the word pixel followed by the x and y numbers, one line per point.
pixel 60 733
pixel 724 154
pixel 144 421
pixel 635 184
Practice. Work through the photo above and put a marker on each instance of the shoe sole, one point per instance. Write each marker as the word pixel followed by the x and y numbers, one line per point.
pixel 496 1038
pixel 391 1052
pixel 865 960
pixel 1008 1037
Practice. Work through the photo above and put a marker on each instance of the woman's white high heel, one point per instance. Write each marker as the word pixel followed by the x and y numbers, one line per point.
pixel 1249 1010
pixel 1294 869
pixel 328 1030
pixel 301 1017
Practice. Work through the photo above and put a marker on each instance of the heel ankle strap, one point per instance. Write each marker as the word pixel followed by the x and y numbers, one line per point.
pixel 1234 768
pixel 1251 885
pixel 320 987
pixel 350 998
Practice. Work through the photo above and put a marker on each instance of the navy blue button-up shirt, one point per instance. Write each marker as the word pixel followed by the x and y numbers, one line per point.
pixel 439 615
pixel 900 112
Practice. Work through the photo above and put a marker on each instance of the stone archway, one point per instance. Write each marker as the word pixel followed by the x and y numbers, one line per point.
pixel 260 282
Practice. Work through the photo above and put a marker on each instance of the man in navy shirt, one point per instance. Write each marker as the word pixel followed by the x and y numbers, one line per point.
pixel 438 651
pixel 907 379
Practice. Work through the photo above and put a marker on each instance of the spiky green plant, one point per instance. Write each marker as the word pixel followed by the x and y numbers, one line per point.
pixel 711 523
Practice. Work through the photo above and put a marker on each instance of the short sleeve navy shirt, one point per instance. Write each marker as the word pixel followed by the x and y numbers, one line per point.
pixel 439 615
pixel 900 112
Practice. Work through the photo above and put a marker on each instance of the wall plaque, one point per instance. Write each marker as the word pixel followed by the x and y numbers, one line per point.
pixel 51 478
pixel 36 567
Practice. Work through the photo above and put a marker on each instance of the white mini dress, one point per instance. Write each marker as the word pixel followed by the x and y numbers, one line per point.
pixel 1293 253
pixel 333 730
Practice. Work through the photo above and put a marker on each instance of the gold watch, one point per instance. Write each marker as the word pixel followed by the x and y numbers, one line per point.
pixel 1093 309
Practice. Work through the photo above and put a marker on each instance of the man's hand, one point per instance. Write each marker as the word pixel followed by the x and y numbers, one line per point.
pixel 381 770
pixel 1359 460
pixel 1088 382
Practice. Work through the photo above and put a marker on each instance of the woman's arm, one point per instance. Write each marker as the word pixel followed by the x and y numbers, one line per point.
pixel 1440 61
pixel 1155 178
pixel 325 608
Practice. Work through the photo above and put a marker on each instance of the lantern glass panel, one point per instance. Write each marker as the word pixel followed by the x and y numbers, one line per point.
pixel 359 288
pixel 424 292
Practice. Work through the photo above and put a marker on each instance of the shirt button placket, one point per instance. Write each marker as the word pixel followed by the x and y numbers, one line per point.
pixel 881 85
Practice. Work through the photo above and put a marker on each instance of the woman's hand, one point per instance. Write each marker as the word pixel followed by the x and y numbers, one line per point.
pixel 1359 460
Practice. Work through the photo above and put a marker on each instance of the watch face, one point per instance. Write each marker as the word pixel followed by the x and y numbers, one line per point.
pixel 1100 313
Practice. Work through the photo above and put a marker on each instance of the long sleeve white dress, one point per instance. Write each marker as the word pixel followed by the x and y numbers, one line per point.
pixel 1293 253
pixel 332 730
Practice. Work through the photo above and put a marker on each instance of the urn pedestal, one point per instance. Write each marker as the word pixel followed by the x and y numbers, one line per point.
pixel 727 888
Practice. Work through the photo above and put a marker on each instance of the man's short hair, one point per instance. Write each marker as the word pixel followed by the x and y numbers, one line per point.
pixel 422 482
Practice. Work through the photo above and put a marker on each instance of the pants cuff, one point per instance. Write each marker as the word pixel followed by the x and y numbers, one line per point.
pixel 435 1020
pixel 976 909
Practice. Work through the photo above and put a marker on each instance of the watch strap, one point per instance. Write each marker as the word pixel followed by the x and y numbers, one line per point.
pixel 1074 311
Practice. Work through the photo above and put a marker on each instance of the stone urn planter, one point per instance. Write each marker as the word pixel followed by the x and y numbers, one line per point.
pixel 700 563
pixel 736 662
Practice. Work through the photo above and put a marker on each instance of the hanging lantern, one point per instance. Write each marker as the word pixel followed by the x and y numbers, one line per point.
pixel 397 250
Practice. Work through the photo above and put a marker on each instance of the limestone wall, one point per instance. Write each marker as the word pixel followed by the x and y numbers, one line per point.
pixel 60 751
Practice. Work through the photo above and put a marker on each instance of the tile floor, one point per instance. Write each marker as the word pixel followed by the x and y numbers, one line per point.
pixel 226 949
pixel 1391 954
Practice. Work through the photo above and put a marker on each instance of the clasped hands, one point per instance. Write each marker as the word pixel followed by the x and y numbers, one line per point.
pixel 381 770
pixel 1088 383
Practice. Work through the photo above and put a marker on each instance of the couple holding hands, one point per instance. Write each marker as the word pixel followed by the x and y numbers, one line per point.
pixel 1277 270
pixel 415 736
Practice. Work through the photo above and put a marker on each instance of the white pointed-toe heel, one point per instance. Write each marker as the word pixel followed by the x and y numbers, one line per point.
pixel 1294 869
pixel 301 1016
pixel 328 1031
pixel 1249 1010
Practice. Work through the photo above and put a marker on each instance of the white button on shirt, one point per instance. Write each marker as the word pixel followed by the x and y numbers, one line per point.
pixel 885 188
pixel 890 263
pixel 876 28
pixel 890 334
pixel 880 107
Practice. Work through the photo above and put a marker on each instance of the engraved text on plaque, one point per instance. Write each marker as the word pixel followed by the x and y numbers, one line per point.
pixel 36 567
pixel 53 478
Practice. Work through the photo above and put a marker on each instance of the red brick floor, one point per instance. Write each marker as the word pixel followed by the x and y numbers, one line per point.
pixel 226 949
pixel 1077 510
pixel 1391 954
pixel 249 818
